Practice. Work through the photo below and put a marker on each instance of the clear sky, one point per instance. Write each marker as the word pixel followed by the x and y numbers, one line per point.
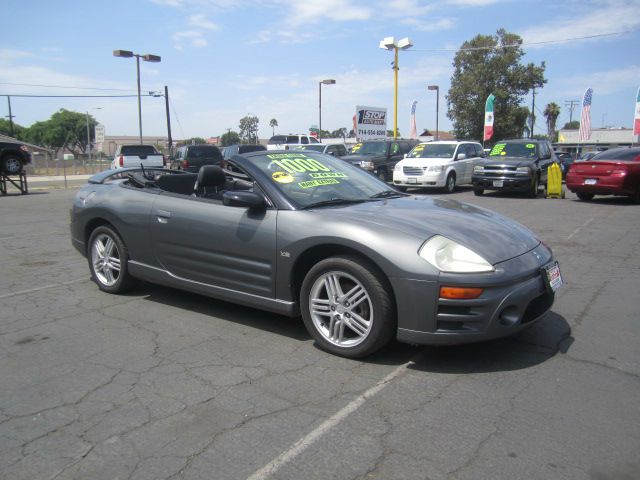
pixel 224 59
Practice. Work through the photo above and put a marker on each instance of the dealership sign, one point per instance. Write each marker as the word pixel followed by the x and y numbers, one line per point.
pixel 371 122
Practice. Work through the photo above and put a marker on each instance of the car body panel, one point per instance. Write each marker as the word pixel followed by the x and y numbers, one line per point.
pixel 604 175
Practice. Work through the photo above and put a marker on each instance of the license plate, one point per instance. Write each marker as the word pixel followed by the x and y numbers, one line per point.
pixel 591 181
pixel 498 183
pixel 553 276
pixel 412 180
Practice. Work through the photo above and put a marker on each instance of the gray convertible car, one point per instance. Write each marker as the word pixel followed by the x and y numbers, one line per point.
pixel 303 233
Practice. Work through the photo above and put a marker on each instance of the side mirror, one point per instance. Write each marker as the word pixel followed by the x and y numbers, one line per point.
pixel 405 155
pixel 250 200
pixel 461 156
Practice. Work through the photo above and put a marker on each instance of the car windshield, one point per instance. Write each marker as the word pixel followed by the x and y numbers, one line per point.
pixel 433 150
pixel 373 148
pixel 622 155
pixel 308 179
pixel 278 139
pixel 202 152
pixel 138 150
pixel 520 150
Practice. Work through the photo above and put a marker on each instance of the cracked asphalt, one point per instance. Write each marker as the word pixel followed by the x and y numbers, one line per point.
pixel 162 384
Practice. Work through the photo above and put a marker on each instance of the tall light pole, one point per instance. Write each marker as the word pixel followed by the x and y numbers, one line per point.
pixel 329 81
pixel 437 89
pixel 389 43
pixel 147 58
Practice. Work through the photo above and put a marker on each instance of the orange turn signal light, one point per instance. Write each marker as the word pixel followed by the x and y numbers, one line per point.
pixel 460 293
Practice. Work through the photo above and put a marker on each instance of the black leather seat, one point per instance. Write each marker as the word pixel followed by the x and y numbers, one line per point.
pixel 182 183
pixel 211 182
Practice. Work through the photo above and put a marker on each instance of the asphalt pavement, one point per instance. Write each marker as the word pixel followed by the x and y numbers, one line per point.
pixel 163 384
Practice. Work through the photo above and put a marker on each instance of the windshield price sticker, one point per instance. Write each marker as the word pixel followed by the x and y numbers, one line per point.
pixel 356 147
pixel 328 175
pixel 497 149
pixel 300 165
pixel 282 177
pixel 318 183
pixel 530 145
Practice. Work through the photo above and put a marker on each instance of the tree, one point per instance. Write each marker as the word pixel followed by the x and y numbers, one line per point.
pixel 194 141
pixel 491 65
pixel 551 113
pixel 573 125
pixel 390 133
pixel 341 132
pixel 249 129
pixel 229 138
pixel 18 131
pixel 273 123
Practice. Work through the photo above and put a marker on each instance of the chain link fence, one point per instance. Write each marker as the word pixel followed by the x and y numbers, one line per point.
pixel 46 165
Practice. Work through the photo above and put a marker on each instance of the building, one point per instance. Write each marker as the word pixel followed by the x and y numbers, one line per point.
pixel 111 143
pixel 601 139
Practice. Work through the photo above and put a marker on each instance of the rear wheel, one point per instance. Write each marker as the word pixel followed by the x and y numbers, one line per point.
pixel 346 307
pixel 108 261
pixel 402 189
pixel 585 197
pixel 382 174
pixel 478 191
pixel 450 184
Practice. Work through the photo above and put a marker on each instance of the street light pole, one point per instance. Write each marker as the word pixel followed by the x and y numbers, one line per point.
pixel 437 89
pixel 389 43
pixel 89 135
pixel 329 81
pixel 147 58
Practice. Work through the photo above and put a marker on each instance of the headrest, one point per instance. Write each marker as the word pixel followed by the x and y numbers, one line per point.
pixel 210 176
pixel 177 182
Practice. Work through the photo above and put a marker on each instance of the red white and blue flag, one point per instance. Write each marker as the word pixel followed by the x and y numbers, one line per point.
pixel 413 129
pixel 585 118
pixel 636 119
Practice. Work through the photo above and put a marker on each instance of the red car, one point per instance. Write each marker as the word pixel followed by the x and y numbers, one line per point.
pixel 612 172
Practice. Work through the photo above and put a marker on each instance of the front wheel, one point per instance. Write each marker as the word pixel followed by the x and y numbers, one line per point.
pixel 382 174
pixel 478 192
pixel 108 261
pixel 347 307
pixel 11 165
pixel 533 193
pixel 450 184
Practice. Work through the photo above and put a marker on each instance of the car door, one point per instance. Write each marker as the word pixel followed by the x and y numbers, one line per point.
pixel 204 241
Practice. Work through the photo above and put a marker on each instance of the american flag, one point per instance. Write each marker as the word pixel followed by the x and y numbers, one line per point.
pixel 413 130
pixel 585 118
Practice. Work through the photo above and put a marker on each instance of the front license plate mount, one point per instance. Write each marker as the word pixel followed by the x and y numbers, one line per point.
pixel 412 180
pixel 498 183
pixel 552 276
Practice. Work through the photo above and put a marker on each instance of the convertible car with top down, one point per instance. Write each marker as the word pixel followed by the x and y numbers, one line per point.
pixel 303 233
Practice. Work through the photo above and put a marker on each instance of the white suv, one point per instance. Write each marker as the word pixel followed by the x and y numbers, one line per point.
pixel 285 142
pixel 438 164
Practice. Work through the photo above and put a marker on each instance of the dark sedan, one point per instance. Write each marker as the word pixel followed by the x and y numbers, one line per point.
pixel 612 172
pixel 297 232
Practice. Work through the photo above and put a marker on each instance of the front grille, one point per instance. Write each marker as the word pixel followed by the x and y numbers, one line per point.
pixel 415 171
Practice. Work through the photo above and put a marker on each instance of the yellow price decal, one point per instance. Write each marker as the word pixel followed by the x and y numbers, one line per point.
pixel 282 177
pixel 301 165
pixel 318 183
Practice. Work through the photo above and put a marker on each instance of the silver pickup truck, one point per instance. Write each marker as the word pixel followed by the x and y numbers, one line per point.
pixel 136 155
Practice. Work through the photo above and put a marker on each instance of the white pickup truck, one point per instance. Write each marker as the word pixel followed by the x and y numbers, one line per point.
pixel 136 155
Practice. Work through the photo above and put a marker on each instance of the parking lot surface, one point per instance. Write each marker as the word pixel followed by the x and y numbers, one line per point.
pixel 162 384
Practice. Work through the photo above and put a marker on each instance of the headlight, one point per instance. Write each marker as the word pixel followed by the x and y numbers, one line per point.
pixel 478 169
pixel 523 171
pixel 367 165
pixel 449 256
pixel 436 168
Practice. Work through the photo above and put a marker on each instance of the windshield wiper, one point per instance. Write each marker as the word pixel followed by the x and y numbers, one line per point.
pixel 334 201
pixel 388 194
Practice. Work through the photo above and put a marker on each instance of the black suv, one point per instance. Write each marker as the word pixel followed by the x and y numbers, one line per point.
pixel 191 157
pixel 514 165
pixel 13 157
pixel 380 156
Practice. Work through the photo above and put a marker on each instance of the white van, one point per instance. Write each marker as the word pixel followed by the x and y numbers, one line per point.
pixel 286 142
pixel 438 165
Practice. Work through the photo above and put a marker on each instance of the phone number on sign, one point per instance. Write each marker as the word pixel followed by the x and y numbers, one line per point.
pixel 372 132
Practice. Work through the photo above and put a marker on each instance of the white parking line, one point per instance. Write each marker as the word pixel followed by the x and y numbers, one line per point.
pixel 305 442
pixel 45 287
pixel 581 227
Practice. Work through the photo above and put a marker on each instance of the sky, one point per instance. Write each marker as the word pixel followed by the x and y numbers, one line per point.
pixel 224 59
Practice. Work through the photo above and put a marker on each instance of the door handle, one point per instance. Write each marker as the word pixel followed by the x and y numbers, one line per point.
pixel 163 216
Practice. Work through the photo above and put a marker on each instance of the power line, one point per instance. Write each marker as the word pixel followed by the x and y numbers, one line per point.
pixel 76 96
pixel 66 86
pixel 515 45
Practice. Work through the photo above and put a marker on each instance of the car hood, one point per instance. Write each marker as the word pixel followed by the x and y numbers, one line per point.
pixel 493 236
pixel 359 158
pixel 510 161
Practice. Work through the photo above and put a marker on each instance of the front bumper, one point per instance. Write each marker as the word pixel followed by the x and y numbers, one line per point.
pixel 434 180
pixel 502 309
pixel 512 184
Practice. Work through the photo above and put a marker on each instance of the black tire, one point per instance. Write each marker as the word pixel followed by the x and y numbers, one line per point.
pixel 450 184
pixel 402 189
pixel 382 174
pixel 533 193
pixel 585 197
pixel 373 311
pixel 478 192
pixel 12 165
pixel 635 198
pixel 111 273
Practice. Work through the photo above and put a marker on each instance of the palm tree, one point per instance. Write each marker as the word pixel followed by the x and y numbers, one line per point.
pixel 551 112
pixel 273 124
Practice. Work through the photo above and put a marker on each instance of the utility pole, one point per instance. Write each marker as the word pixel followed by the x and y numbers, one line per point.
pixel 166 103
pixel 571 104
pixel 10 116
pixel 533 112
